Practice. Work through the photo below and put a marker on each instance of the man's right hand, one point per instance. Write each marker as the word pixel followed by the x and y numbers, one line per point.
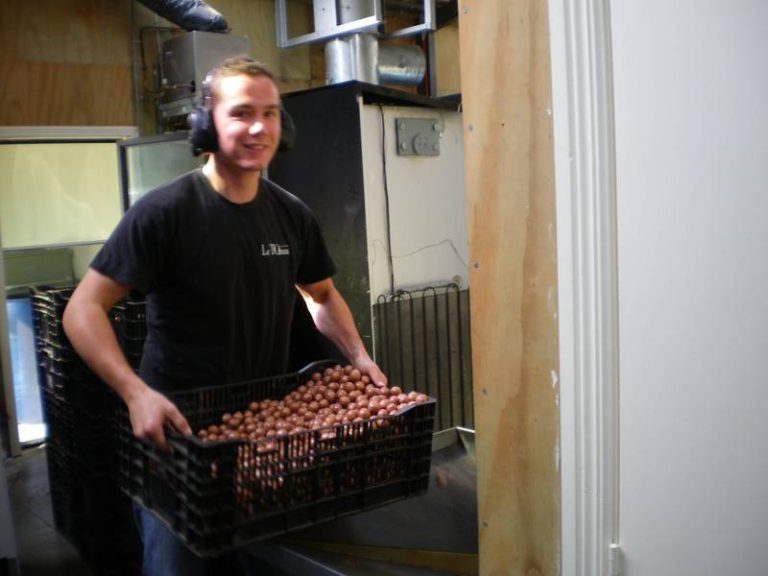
pixel 150 412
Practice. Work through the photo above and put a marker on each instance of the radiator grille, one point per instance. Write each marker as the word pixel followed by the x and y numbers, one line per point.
pixel 423 343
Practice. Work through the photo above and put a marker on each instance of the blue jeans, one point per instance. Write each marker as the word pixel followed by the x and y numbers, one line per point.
pixel 166 555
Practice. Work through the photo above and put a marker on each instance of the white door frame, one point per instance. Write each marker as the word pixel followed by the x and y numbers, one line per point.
pixel 583 120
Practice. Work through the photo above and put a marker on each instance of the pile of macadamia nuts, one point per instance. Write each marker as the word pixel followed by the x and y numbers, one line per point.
pixel 338 395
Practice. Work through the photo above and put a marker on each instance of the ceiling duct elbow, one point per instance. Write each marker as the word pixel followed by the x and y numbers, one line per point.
pixel 361 57
pixel 189 14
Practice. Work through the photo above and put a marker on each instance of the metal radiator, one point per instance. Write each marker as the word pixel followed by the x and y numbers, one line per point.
pixel 423 343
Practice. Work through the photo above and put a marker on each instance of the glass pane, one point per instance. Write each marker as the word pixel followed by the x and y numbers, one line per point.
pixel 58 193
pixel 153 163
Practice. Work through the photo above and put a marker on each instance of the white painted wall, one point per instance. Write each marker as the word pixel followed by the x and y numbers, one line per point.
pixel 691 110
pixel 426 203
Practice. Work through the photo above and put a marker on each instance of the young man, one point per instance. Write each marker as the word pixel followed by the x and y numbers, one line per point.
pixel 218 254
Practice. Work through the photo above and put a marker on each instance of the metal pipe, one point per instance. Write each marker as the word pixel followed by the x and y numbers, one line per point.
pixel 449 347
pixel 441 420
pixel 338 65
pixel 464 421
pixel 412 318
pixel 380 349
pixel 399 64
pixel 400 344
pixel 352 58
pixel 364 53
pixel 426 337
pixel 360 57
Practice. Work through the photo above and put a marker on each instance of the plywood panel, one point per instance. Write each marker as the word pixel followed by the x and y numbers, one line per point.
pixel 51 94
pixel 447 59
pixel 317 65
pixel 68 62
pixel 510 206
pixel 256 19
pixel 71 31
pixel 65 62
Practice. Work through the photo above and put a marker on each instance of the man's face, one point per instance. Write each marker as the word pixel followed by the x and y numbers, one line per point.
pixel 247 117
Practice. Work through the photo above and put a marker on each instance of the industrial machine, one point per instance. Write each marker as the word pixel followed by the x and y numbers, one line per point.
pixel 187 59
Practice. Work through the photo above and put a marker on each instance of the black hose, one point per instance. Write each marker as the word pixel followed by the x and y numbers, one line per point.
pixel 189 14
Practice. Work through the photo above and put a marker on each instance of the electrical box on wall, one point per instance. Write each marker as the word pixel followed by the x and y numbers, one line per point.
pixel 418 136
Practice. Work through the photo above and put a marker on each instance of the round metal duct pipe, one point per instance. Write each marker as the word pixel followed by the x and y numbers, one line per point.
pixel 338 64
pixel 360 57
pixel 401 65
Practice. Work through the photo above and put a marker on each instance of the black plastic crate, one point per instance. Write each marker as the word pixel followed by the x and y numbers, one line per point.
pixel 87 436
pixel 134 359
pixel 118 554
pixel 133 347
pixel 90 510
pixel 118 322
pixel 50 316
pixel 135 317
pixel 48 306
pixel 72 383
pixel 219 496
pixel 64 479
pixel 106 506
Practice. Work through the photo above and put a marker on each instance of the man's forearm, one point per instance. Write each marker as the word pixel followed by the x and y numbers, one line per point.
pixel 334 320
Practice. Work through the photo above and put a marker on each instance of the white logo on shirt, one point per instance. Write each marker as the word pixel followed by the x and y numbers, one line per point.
pixel 272 249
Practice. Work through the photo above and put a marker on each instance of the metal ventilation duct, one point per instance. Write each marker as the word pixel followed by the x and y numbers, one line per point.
pixel 352 30
pixel 361 57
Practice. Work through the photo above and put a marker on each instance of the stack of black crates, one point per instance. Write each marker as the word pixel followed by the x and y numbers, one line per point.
pixel 82 447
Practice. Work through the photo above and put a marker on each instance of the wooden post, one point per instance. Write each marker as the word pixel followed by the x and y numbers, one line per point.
pixel 505 78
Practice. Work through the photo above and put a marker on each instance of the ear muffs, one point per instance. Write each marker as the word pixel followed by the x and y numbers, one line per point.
pixel 203 136
pixel 287 131
pixel 202 131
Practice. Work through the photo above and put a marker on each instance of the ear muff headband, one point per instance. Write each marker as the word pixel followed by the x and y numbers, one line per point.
pixel 202 129
pixel 287 131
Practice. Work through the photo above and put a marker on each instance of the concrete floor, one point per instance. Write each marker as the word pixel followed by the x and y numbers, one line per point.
pixel 42 550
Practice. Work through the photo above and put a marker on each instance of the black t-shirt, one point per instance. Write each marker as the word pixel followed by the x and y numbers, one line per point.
pixel 219 278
